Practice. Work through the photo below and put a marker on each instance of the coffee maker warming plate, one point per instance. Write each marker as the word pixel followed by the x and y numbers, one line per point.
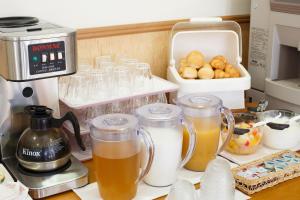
pixel 43 184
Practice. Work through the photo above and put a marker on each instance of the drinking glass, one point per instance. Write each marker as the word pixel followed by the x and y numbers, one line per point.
pixel 122 81
pixel 117 155
pixel 204 114
pixel 182 190
pixel 131 64
pixel 64 82
pixel 98 85
pixel 217 175
pixel 143 76
pixel 105 63
pixel 77 90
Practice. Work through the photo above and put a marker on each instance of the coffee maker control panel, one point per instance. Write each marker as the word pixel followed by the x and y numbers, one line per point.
pixel 46 57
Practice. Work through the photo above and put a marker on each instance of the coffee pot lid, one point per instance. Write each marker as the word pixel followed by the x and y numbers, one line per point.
pixel 40 117
pixel 159 112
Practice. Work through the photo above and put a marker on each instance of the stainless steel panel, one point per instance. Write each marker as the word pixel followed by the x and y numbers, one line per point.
pixel 45 185
pixel 15 60
pixel 12 118
pixel 44 166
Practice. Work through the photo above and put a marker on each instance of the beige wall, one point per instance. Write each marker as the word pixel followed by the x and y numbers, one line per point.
pixel 96 13
pixel 148 46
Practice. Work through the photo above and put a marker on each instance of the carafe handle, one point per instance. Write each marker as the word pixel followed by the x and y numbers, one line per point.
pixel 230 123
pixel 192 143
pixel 69 116
pixel 149 152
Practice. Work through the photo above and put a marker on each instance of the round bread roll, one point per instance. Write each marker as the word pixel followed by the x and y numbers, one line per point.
pixel 189 73
pixel 226 75
pixel 217 63
pixel 228 67
pixel 222 58
pixel 207 65
pixel 195 59
pixel 182 65
pixel 219 74
pixel 206 73
pixel 234 73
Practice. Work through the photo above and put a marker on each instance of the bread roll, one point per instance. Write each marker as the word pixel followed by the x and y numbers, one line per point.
pixel 182 65
pixel 217 63
pixel 226 75
pixel 207 65
pixel 222 58
pixel 228 67
pixel 195 59
pixel 206 72
pixel 189 73
pixel 219 74
pixel 234 73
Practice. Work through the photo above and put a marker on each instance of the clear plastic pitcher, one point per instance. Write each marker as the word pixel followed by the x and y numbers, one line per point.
pixel 165 125
pixel 204 114
pixel 117 155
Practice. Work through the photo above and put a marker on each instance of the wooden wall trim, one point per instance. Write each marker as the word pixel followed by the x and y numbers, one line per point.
pixel 97 32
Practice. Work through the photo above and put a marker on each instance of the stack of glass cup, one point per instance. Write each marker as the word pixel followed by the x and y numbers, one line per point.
pixel 128 106
pixel 107 79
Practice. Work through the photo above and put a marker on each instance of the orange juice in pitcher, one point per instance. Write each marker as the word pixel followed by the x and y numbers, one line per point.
pixel 203 115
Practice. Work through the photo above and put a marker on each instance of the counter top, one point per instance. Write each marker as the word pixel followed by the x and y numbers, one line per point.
pixel 289 190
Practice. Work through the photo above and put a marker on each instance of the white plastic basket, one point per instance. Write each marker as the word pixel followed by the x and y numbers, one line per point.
pixel 211 37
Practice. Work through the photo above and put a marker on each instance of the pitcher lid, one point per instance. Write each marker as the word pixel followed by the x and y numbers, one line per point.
pixel 115 123
pixel 159 112
pixel 199 101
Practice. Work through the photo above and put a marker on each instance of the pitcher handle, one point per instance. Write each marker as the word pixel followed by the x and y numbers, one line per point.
pixel 150 152
pixel 192 143
pixel 230 123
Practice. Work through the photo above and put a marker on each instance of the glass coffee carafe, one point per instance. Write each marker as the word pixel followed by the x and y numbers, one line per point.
pixel 203 113
pixel 117 155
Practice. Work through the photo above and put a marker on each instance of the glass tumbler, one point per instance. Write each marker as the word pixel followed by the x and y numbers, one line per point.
pixel 77 90
pixel 98 85
pixel 217 175
pixel 117 155
pixel 143 77
pixel 122 81
pixel 164 123
pixel 204 114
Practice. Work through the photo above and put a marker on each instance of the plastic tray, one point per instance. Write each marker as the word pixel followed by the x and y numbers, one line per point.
pixel 159 86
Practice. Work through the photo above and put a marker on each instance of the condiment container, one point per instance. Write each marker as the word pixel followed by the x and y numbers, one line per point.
pixel 212 37
pixel 246 138
pixel 280 133
pixel 163 123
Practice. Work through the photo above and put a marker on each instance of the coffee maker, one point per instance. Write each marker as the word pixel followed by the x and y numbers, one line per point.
pixel 33 54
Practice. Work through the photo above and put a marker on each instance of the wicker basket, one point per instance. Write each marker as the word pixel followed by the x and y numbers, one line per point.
pixel 250 186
